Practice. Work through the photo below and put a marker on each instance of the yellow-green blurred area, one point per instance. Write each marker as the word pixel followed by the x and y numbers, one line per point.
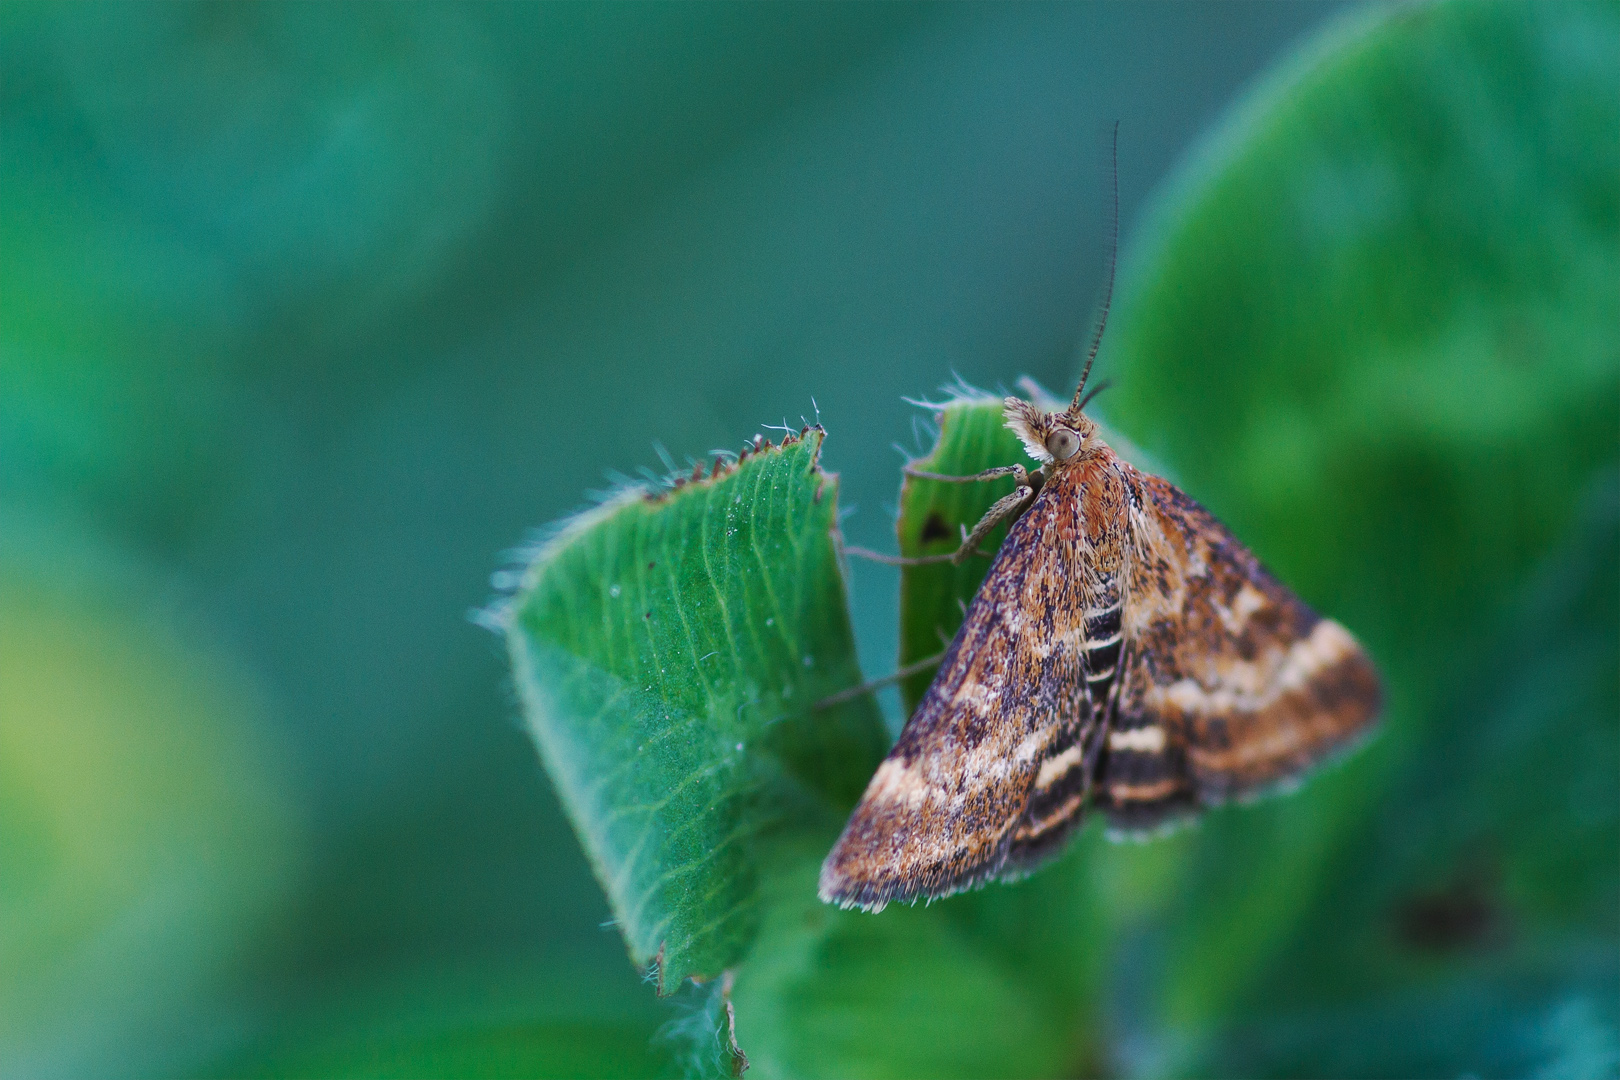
pixel 308 312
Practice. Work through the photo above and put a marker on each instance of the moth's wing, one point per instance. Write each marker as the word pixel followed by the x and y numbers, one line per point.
pixel 940 814
pixel 1068 770
pixel 1062 791
pixel 1230 685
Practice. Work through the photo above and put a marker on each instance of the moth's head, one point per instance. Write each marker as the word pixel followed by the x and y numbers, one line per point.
pixel 1052 438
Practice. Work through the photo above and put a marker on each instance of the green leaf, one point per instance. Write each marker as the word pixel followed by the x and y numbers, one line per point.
pixel 1371 328
pixel 1316 288
pixel 1371 324
pixel 539 1050
pixel 1375 312
pixel 507 1016
pixel 993 984
pixel 147 826
pixel 910 992
pixel 972 437
pixel 1472 927
pixel 668 647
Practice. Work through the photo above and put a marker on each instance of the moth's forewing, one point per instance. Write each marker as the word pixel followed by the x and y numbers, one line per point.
pixel 1096 497
pixel 944 809
pixel 1231 686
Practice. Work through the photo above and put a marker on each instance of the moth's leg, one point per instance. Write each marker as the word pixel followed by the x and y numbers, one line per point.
pixel 907 560
pixel 1017 471
pixel 1008 506
pixel 877 684
pixel 1012 505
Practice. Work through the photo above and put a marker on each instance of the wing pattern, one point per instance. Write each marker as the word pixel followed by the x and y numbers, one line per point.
pixel 991 760
pixel 1125 652
pixel 1233 686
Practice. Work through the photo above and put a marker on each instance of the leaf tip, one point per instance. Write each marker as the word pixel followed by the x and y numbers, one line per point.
pixel 724 463
pixel 522 565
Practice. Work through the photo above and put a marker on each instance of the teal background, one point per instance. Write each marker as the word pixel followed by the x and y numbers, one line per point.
pixel 308 312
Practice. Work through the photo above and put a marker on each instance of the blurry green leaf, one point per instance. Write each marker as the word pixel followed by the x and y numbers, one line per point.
pixel 111 394
pixel 1483 898
pixel 1498 1024
pixel 1371 321
pixel 540 1050
pixel 905 993
pixel 145 832
pixel 668 648
pixel 451 1025
pixel 515 1016
pixel 1372 326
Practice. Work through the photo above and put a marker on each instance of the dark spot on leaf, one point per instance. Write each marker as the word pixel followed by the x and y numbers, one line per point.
pixel 1461 914
pixel 934 528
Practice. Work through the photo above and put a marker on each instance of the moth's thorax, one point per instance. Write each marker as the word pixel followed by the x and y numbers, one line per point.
pixel 1088 501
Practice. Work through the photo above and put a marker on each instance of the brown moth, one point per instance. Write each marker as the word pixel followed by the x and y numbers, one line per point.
pixel 1124 651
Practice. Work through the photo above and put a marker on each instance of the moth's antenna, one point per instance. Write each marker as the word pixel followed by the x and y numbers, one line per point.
pixel 1108 290
pixel 1095 390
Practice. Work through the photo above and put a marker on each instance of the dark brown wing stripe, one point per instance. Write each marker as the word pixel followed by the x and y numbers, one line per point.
pixel 1058 803
pixel 1101 625
pixel 1100 663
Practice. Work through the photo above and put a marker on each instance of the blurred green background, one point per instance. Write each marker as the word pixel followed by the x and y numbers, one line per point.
pixel 308 312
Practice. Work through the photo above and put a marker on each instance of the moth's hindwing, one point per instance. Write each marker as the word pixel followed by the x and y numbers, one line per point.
pixel 1232 686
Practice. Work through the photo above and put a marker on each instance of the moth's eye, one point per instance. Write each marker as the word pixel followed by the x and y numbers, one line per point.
pixel 1062 444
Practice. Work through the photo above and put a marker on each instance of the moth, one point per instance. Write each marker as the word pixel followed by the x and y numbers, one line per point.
pixel 1125 653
